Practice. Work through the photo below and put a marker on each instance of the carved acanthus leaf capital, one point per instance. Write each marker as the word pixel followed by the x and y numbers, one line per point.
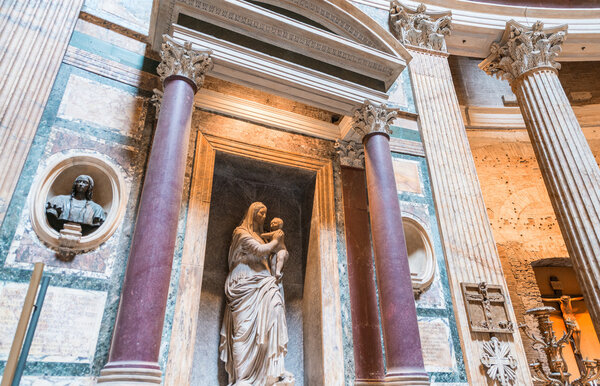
pixel 351 153
pixel 524 48
pixel 184 61
pixel 156 100
pixel 373 118
pixel 417 27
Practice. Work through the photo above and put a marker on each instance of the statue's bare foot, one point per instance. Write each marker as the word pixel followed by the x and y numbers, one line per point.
pixel 287 379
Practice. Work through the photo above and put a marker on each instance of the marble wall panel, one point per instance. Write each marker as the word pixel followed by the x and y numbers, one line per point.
pixel 407 176
pixel 91 102
pixel 436 342
pixel 56 381
pixel 68 327
pixel 134 15
pixel 26 247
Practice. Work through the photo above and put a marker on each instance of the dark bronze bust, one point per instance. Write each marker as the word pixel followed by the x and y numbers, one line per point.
pixel 77 207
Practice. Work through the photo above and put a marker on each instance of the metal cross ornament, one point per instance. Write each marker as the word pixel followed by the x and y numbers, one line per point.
pixel 500 363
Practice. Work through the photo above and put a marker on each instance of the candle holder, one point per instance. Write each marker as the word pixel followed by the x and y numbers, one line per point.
pixel 559 373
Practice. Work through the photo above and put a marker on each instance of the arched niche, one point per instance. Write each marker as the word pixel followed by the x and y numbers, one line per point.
pixel 420 254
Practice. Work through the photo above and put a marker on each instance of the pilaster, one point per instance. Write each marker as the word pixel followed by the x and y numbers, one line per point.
pixel 34 36
pixel 469 246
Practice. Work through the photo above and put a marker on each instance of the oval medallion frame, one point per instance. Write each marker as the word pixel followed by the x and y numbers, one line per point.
pixel 110 192
pixel 418 245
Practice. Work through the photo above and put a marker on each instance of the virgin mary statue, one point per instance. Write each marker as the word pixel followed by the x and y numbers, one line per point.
pixel 254 333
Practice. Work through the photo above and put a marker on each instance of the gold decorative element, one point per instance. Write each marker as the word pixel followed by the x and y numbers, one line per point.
pixel 178 60
pixel 524 48
pixel 486 308
pixel 352 154
pixel 499 361
pixel 559 372
pixel 420 28
pixel 373 118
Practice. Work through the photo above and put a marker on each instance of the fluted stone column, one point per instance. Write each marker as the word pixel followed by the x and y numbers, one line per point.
pixel 469 246
pixel 403 354
pixel 526 58
pixel 34 36
pixel 138 329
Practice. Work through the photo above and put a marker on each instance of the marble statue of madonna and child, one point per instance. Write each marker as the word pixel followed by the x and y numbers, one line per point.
pixel 254 334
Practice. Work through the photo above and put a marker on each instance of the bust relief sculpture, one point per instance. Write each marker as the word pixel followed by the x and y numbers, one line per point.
pixel 77 207
pixel 254 333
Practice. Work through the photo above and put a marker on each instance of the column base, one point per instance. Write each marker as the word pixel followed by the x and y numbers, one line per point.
pixel 415 379
pixel 369 382
pixel 133 373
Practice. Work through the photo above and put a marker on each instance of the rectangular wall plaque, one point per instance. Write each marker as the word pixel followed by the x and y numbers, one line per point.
pixel 486 308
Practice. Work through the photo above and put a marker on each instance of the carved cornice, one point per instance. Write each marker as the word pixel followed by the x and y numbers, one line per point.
pixel 183 61
pixel 373 118
pixel 156 100
pixel 417 27
pixel 351 153
pixel 524 48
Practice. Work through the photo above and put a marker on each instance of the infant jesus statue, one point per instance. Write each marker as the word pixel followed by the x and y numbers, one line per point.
pixel 281 254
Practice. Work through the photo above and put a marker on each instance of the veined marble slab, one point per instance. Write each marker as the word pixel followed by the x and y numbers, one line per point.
pixel 407 176
pixel 56 381
pixel 116 109
pixel 436 344
pixel 68 327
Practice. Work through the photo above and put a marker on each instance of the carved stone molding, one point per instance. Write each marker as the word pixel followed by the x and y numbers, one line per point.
pixel 524 48
pixel 420 28
pixel 373 118
pixel 352 154
pixel 157 100
pixel 183 61
pixel 499 362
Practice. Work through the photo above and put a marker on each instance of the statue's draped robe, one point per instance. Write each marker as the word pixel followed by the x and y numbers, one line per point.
pixel 254 332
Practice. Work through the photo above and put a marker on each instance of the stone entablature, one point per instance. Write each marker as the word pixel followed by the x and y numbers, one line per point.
pixel 419 28
pixel 524 48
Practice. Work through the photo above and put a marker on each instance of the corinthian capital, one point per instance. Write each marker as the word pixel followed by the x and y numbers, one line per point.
pixel 373 118
pixel 351 153
pixel 183 61
pixel 420 28
pixel 524 48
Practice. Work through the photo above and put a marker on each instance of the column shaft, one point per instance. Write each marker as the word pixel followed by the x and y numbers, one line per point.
pixel 366 334
pixel 570 172
pixel 467 238
pixel 138 329
pixel 404 359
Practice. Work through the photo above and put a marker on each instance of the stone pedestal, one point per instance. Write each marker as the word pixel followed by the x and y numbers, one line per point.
pixel 570 172
pixel 404 358
pixel 469 246
pixel 138 329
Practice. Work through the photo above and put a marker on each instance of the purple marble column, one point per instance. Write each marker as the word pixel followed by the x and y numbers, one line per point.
pixel 138 329
pixel 404 358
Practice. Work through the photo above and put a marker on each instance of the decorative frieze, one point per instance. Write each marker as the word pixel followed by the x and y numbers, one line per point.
pixel 178 60
pixel 352 154
pixel 524 48
pixel 373 118
pixel 420 28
